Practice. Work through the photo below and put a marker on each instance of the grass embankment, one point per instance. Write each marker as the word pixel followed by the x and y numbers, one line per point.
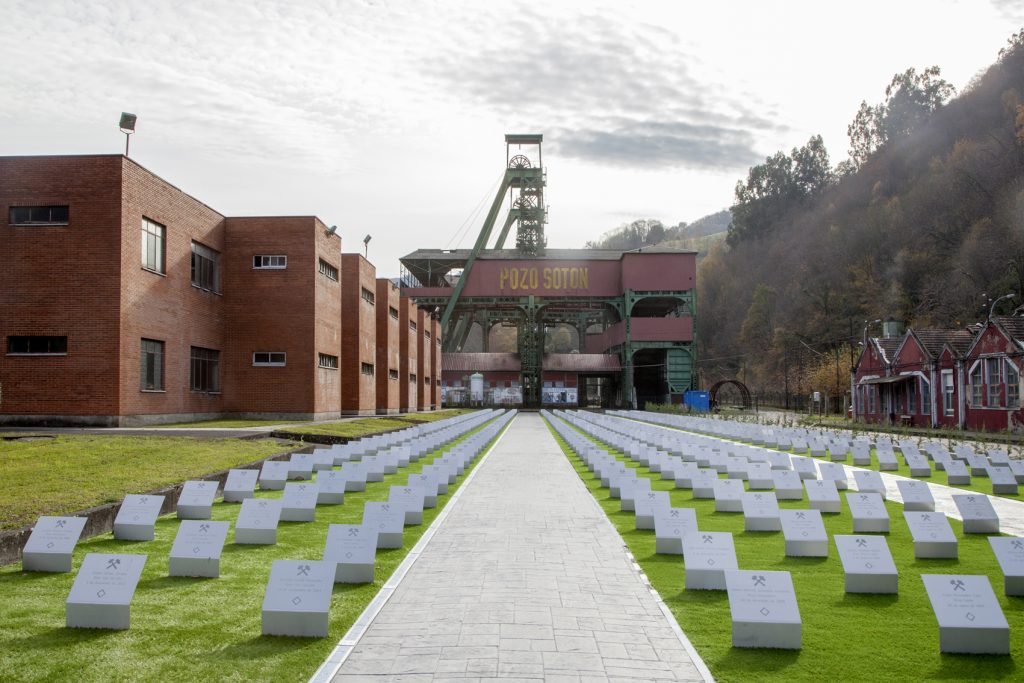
pixel 364 426
pixel 845 636
pixel 189 629
pixel 70 473
pixel 227 424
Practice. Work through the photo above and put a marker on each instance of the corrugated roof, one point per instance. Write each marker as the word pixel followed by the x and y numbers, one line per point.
pixel 480 362
pixel 581 362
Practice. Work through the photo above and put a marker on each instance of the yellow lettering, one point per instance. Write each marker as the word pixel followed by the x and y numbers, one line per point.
pixel 502 278
pixel 547 278
pixel 584 278
pixel 574 278
pixel 533 278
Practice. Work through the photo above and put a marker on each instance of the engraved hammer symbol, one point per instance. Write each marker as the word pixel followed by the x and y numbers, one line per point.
pixel 758 580
pixel 957 584
pixel 113 562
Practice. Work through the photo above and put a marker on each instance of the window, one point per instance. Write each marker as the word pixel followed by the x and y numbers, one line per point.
pixel 948 405
pixel 426 335
pixel 366 369
pixel 37 346
pixel 1012 386
pixel 328 362
pixel 977 387
pixel 911 397
pixel 393 312
pixel 153 237
pixel 205 268
pixel 869 392
pixel 38 215
pixel 426 381
pixel 393 375
pixel 268 358
pixel 262 262
pixel 151 365
pixel 926 397
pixel 437 382
pixel 328 271
pixel 412 378
pixel 366 295
pixel 204 370
pixel 994 377
pixel 412 325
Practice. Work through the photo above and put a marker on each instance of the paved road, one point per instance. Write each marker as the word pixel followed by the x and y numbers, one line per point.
pixel 525 579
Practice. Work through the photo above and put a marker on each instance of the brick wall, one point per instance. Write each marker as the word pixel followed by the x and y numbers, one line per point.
pixel 423 359
pixel 359 333
pixel 436 333
pixel 388 394
pixel 408 332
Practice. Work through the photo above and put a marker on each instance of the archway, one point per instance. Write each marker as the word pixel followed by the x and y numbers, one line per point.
pixel 744 392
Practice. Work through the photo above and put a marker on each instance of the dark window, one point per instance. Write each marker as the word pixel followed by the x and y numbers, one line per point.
pixel 204 373
pixel 393 312
pixel 37 345
pixel 328 362
pixel 205 268
pixel 328 271
pixel 366 368
pixel 273 262
pixel 153 238
pixel 412 326
pixel 269 358
pixel 412 378
pixel 367 295
pixel 151 367
pixel 393 374
pixel 38 215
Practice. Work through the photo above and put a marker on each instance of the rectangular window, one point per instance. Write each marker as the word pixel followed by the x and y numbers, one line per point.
pixel 151 365
pixel 869 392
pixel 412 378
pixel 977 386
pixel 393 375
pixel 269 358
pixel 393 312
pixel 926 397
pixel 994 372
pixel 412 326
pixel 367 295
pixel 328 271
pixel 328 362
pixel 426 381
pixel 205 268
pixel 37 346
pixel 204 370
pixel 426 335
pixel 38 215
pixel 911 397
pixel 153 238
pixel 264 262
pixel 366 369
pixel 437 382
pixel 948 405
pixel 1012 386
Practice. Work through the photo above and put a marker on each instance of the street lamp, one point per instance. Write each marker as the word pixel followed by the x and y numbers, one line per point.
pixel 366 246
pixel 992 308
pixel 127 126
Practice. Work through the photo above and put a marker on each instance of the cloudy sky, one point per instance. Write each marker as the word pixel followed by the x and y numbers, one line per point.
pixel 387 116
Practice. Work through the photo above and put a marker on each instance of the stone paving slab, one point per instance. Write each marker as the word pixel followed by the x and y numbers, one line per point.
pixel 525 579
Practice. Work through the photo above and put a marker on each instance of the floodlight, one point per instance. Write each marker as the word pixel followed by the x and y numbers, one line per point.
pixel 127 122
pixel 331 230
pixel 366 240
pixel 366 246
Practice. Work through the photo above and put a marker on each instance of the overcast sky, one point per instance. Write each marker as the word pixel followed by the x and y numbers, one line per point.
pixel 387 117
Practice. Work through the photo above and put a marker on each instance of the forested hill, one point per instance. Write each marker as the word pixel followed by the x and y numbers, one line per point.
pixel 923 221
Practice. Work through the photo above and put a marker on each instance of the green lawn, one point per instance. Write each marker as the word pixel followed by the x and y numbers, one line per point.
pixel 187 629
pixel 227 424
pixel 845 636
pixel 371 425
pixel 70 473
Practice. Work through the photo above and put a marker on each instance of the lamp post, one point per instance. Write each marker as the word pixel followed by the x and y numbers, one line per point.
pixel 127 126
pixel 366 246
pixel 992 308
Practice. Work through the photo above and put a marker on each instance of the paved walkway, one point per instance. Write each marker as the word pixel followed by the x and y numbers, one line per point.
pixel 524 580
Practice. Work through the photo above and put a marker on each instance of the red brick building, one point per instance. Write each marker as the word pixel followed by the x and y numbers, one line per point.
pixel 359 335
pixel 126 301
pixel 388 362
pixel 408 351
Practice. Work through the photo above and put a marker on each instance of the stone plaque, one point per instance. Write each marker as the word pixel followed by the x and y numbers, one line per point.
pixel 298 504
pixel 51 544
pixel 1009 552
pixel 704 483
pixel 835 472
pixel 330 487
pixel 671 525
pixel 970 618
pixel 355 476
pixel 887 460
pixel 323 459
pixel 428 484
pixel 764 609
pixel 918 465
pixel 136 519
pixel 822 495
pixel 196 500
pixel 805 467
pixel 197 548
pixel 353 549
pixel 300 466
pixel 273 475
pixel 916 495
pixel 977 513
pixel 630 490
pixel 647 505
pixel 804 533
pixel 410 498
pixel 869 481
pixel 1004 483
pixel 387 520
pixel 240 485
pixel 788 485
pixel 957 473
pixel 102 593
pixel 729 495
pixel 759 476
pixel 868 564
pixel 932 534
pixel 298 598
pixel 257 521
pixel 869 512
pixel 760 511
pixel 708 554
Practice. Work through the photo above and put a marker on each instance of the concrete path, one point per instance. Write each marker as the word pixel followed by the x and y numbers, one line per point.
pixel 525 579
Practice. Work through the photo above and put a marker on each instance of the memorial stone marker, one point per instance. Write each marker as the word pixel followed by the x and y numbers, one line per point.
pixel 822 495
pixel 411 499
pixel 957 474
pixel 788 485
pixel 647 506
pixel 764 609
pixel 804 533
pixel 298 598
pixel 240 484
pixel 932 534
pixel 760 511
pixel 196 500
pixel 257 521
pixel 1004 483
pixel 273 475
pixel 330 487
pixel 977 513
pixel 868 564
pixel 708 554
pixel 136 519
pixel 917 497
pixel 1009 552
pixel 671 525
pixel 387 520
pixel 869 513
pixel 298 504
pixel 102 594
pixel 869 481
pixel 197 548
pixel 51 544
pixel 353 550
pixel 970 618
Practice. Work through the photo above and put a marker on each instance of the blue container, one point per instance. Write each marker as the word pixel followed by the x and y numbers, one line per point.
pixel 699 401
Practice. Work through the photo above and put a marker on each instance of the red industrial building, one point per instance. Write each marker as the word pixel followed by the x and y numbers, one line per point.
pixel 967 378
pixel 126 301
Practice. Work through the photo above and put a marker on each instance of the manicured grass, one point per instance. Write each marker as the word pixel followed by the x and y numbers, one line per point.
pixel 372 425
pixel 845 636
pixel 70 473
pixel 227 424
pixel 187 629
